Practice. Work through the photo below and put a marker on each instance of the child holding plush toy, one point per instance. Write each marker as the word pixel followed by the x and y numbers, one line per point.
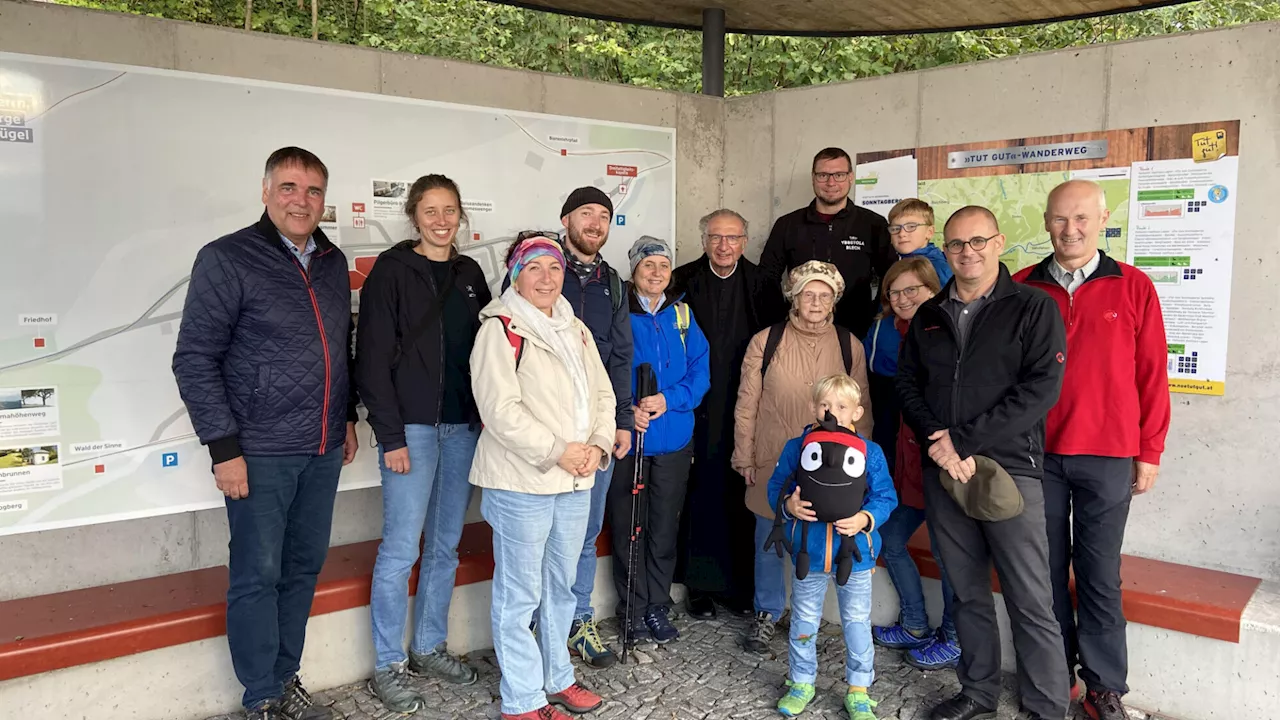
pixel 832 489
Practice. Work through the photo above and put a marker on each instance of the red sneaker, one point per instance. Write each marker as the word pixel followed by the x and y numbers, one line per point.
pixel 576 699
pixel 546 712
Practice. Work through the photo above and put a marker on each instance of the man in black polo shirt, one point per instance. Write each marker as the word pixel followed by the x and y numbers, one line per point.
pixel 834 230
pixel 980 367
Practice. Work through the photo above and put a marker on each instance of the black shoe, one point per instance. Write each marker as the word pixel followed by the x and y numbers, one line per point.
pixel 660 626
pixel 1104 705
pixel 961 707
pixel 758 638
pixel 738 606
pixel 701 607
pixel 296 703
pixel 265 711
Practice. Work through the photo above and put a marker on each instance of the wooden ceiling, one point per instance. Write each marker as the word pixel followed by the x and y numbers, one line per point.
pixel 839 17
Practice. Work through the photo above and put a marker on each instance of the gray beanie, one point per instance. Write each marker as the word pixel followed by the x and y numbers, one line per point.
pixel 648 245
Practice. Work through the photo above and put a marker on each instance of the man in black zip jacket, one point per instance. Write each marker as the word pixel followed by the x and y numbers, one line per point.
pixel 832 229
pixel 981 366
pixel 262 363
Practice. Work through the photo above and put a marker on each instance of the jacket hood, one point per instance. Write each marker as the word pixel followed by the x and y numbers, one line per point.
pixel 931 251
pixel 403 250
pixel 673 296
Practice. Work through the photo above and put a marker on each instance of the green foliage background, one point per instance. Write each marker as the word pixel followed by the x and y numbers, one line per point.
pixel 481 31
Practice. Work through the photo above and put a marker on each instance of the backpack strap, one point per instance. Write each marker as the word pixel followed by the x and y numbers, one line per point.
pixel 846 352
pixel 771 346
pixel 682 320
pixel 517 342
pixel 616 292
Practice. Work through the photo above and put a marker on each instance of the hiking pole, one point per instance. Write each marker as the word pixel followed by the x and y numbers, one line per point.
pixel 646 385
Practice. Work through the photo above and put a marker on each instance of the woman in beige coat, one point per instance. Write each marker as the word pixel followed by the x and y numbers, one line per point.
pixel 775 407
pixel 548 412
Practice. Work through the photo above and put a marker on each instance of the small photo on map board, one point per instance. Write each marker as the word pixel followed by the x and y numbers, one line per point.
pixel 29 413
pixel 27 469
pixel 1172 214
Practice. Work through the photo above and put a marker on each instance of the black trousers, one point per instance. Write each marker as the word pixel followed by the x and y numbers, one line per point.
pixel 715 553
pixel 658 509
pixel 1086 507
pixel 1020 551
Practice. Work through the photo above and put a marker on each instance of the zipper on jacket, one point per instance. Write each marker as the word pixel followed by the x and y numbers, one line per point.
pixel 1031 451
pixel 431 280
pixel 324 345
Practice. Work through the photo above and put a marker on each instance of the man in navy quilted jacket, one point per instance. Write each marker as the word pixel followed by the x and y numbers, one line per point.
pixel 262 366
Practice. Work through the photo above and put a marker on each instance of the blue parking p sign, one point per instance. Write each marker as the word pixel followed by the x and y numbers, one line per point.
pixel 622 219
pixel 169 459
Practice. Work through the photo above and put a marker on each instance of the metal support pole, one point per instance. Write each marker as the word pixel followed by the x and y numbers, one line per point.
pixel 713 51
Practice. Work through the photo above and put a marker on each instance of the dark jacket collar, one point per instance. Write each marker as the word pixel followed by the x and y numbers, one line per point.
pixel 1106 268
pixel 811 212
pixel 1004 287
pixel 673 296
pixel 272 235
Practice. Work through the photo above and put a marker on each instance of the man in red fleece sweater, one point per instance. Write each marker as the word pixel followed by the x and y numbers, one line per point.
pixel 1104 437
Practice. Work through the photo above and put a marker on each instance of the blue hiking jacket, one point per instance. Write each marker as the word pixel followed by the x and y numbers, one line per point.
pixel 683 370
pixel 936 257
pixel 824 541
pixel 883 340
pixel 264 348
pixel 593 303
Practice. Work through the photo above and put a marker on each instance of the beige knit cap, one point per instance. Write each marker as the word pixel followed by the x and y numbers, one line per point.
pixel 800 276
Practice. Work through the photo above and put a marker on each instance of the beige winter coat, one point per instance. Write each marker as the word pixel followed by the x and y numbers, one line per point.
pixel 528 412
pixel 770 414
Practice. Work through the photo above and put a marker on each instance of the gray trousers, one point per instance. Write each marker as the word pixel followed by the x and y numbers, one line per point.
pixel 1019 549
pixel 1086 501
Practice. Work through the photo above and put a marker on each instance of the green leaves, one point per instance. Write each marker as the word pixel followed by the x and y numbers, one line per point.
pixel 506 36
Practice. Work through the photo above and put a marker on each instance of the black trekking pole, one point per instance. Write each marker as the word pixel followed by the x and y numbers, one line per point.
pixel 646 385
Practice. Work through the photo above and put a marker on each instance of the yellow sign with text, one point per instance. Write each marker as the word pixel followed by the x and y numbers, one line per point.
pixel 1198 387
pixel 1209 146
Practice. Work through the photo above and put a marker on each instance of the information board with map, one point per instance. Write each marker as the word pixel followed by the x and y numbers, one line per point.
pixel 1170 191
pixel 113 177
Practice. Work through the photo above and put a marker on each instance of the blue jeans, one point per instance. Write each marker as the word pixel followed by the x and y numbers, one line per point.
pixel 895 533
pixel 279 540
pixel 431 499
pixel 771 587
pixel 855 618
pixel 586 581
pixel 537 540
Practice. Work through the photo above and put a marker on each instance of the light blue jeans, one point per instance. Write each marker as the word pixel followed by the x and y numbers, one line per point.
pixel 855 616
pixel 586 581
pixel 430 500
pixel 537 540
pixel 771 586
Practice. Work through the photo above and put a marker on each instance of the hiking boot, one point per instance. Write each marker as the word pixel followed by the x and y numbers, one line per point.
pixel 585 642
pixel 796 699
pixel 660 625
pixel 938 654
pixel 440 664
pixel 576 699
pixel 265 711
pixel 546 712
pixel 961 707
pixel 296 703
pixel 897 637
pixel 757 640
pixel 859 706
pixel 389 687
pixel 1104 705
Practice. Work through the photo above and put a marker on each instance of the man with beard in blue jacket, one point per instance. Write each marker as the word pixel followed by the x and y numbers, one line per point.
pixel 262 363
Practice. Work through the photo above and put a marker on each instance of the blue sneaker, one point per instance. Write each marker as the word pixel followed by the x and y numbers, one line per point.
pixel 660 626
pixel 939 654
pixel 897 637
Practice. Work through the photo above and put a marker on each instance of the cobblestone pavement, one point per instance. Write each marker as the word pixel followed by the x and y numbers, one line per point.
pixel 704 675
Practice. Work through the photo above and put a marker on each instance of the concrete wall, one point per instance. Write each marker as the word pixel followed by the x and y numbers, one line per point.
pixel 1216 503
pixel 45 562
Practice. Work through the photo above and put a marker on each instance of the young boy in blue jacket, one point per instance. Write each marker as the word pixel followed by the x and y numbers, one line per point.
pixel 863 462
pixel 911 232
pixel 666 338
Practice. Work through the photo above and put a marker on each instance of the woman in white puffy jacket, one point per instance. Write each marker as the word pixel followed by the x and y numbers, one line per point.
pixel 548 411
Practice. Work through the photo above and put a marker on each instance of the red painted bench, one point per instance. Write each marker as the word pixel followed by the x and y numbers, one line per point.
pixel 78 627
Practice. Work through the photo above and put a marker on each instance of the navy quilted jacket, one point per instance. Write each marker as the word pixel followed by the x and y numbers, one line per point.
pixel 264 347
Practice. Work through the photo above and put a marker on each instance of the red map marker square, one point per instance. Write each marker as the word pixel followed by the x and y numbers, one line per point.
pixel 564 151
pixel 475 236
pixel 99 469
pixel 39 342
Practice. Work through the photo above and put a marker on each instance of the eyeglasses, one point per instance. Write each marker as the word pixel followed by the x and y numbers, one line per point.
pixel 730 239
pixel 837 176
pixel 526 234
pixel 956 246
pixel 817 298
pixel 904 228
pixel 908 292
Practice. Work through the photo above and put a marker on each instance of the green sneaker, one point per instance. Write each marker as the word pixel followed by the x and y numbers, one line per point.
pixel 585 642
pixel 796 699
pixel 858 705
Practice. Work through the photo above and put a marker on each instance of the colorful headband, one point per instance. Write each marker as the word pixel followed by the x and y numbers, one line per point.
pixel 530 247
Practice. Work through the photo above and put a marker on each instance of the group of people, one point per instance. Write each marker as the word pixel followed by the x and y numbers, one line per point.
pixel 859 381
